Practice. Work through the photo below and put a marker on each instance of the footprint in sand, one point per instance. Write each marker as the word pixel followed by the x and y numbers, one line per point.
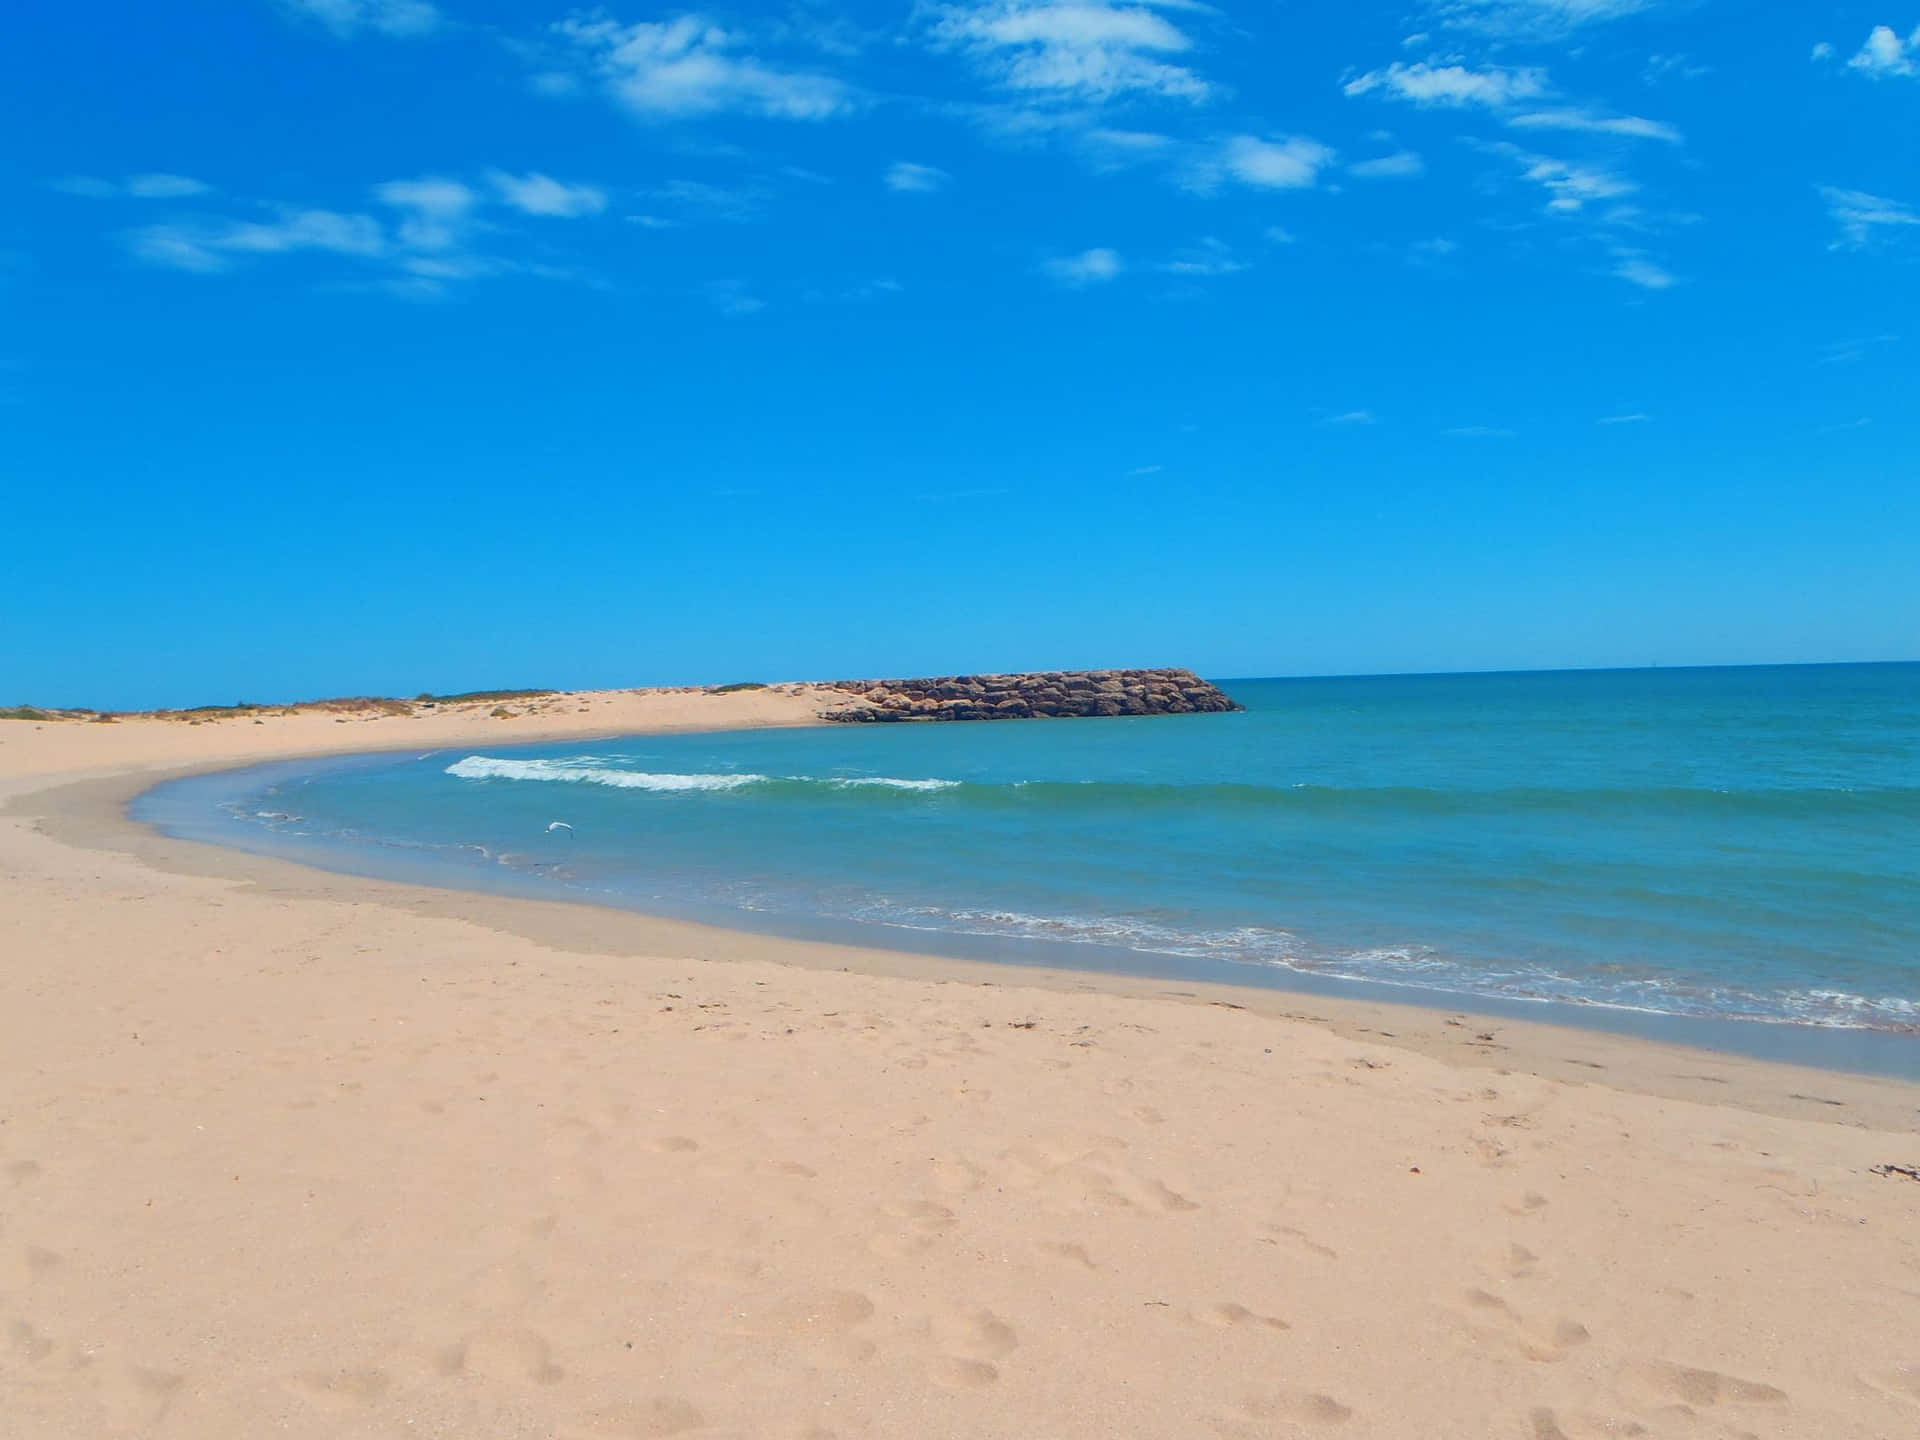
pixel 27 1342
pixel 1488 1317
pixel 676 1145
pixel 137 1398
pixel 342 1389
pixel 1544 1424
pixel 649 1419
pixel 1703 1388
pixel 916 1224
pixel 1229 1315
pixel 1256 1413
pixel 1520 1262
pixel 1287 1237
pixel 19 1172
pixel 950 1373
pixel 1067 1250
pixel 1902 1383
pixel 975 1335
pixel 508 1354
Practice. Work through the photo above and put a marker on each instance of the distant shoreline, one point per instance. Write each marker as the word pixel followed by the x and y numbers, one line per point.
pixel 393 704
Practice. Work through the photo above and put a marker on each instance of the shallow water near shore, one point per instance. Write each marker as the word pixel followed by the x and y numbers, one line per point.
pixel 1726 857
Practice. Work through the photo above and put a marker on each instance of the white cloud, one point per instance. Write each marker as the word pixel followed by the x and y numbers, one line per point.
pixel 1085 51
pixel 1206 260
pixel 1823 51
pixel 1352 417
pixel 690 66
pixel 385 17
pixel 1636 418
pixel 1534 19
pixel 1885 53
pixel 416 251
pixel 208 246
pixel 1089 267
pixel 1292 163
pixel 1637 269
pixel 905 176
pixel 1402 166
pixel 1861 216
pixel 1425 83
pixel 155 186
pixel 1570 188
pixel 730 297
pixel 697 200
pixel 1633 126
pixel 537 194
pixel 165 187
pixel 1280 235
pixel 435 210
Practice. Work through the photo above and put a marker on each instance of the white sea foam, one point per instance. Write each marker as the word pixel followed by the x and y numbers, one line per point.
pixel 887 782
pixel 582 770
pixel 487 767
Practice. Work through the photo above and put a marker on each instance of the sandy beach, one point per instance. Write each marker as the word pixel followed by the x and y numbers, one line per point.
pixel 291 1153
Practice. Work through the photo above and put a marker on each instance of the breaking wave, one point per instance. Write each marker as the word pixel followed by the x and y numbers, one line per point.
pixel 584 771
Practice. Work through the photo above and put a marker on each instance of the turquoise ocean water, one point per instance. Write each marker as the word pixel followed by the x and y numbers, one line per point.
pixel 1738 848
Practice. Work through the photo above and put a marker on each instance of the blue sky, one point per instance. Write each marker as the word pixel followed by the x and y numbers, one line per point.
pixel 386 345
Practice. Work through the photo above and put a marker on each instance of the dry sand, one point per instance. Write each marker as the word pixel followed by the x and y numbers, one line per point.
pixel 285 1153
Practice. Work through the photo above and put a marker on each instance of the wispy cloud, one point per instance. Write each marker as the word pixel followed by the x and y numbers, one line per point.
pixel 383 17
pixel 1209 258
pixel 1404 165
pixel 1846 352
pixel 1076 51
pixel 1863 217
pixel 699 200
pixel 537 194
pixel 690 66
pixel 207 246
pixel 912 179
pixel 1533 19
pixel 1636 269
pixel 1570 188
pixel 1574 118
pixel 1089 267
pixel 153 186
pixel 1352 417
pixel 1636 418
pixel 731 297
pixel 1427 83
pixel 419 239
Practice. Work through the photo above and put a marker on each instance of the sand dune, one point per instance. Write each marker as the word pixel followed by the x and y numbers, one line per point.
pixel 284 1153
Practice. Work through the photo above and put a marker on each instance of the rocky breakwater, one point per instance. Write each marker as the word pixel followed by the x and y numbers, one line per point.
pixel 1053 693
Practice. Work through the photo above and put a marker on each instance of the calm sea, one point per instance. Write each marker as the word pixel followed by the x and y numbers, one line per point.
pixel 1727 845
